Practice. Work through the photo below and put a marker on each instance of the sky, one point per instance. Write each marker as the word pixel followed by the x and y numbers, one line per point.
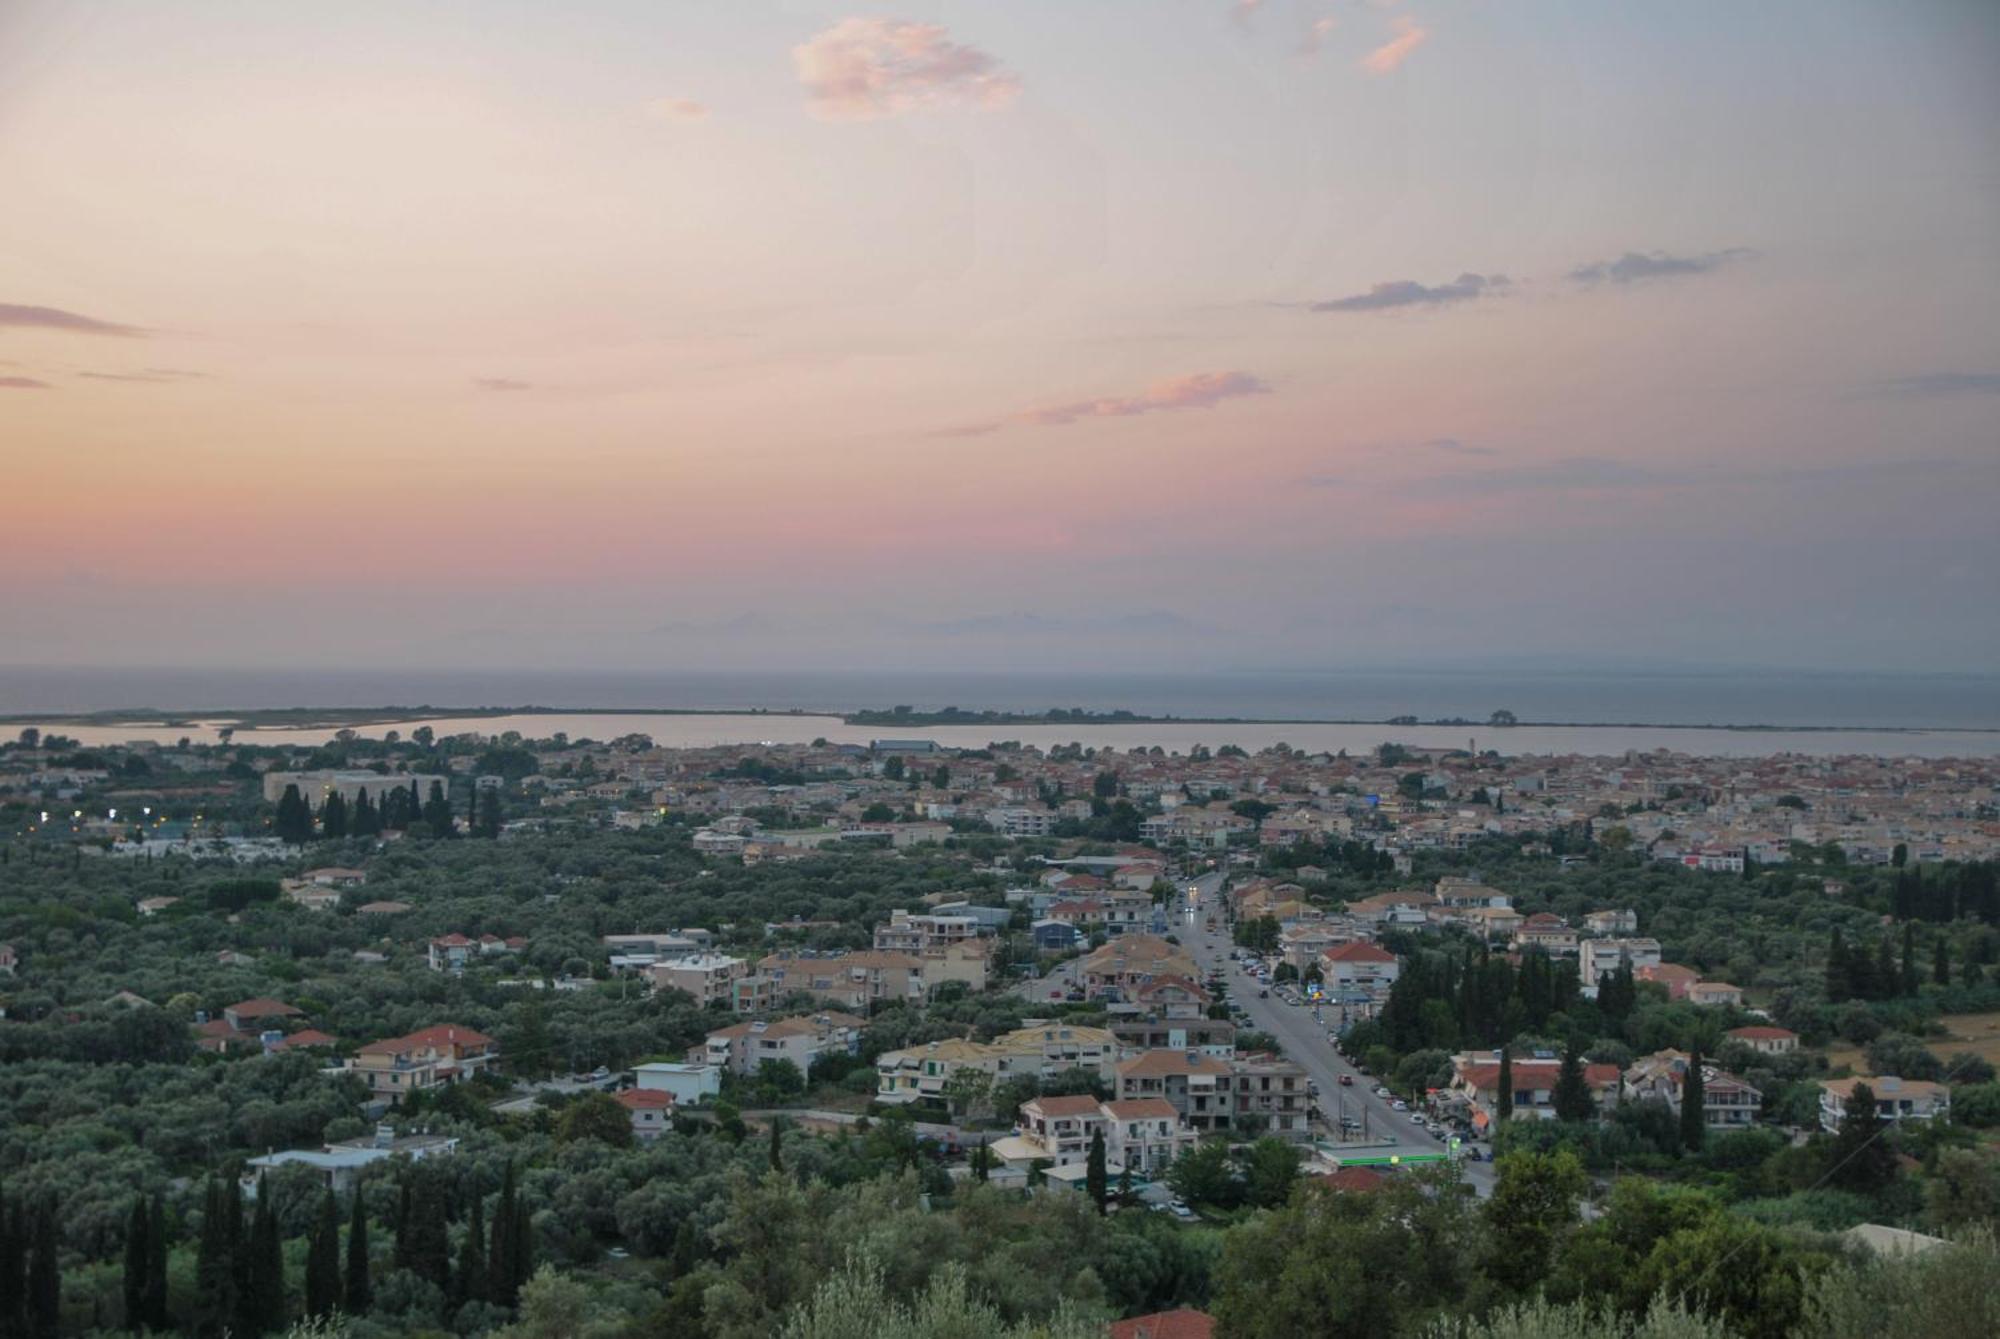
pixel 1118 334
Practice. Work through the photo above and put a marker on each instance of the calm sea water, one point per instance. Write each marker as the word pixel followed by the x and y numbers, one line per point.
pixel 1884 714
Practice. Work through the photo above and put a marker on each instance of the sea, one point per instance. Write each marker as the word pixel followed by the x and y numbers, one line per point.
pixel 1598 712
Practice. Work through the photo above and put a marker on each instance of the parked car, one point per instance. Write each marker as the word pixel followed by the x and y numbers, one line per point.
pixel 1347 1080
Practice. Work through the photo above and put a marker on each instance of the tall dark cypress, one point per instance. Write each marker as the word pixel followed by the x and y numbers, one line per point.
pixel 500 1253
pixel 358 1295
pixel 264 1293
pixel 400 1257
pixel 522 1244
pixel 471 1279
pixel 215 1267
pixel 1503 1105
pixel 156 1267
pixel 1694 1106
pixel 323 1259
pixel 294 822
pixel 138 1262
pixel 13 1261
pixel 333 817
pixel 45 1276
pixel 244 1319
pixel 430 1239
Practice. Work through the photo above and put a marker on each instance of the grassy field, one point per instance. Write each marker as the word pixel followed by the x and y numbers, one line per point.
pixel 1977 1033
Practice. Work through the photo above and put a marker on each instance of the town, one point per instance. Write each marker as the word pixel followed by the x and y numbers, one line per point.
pixel 578 1023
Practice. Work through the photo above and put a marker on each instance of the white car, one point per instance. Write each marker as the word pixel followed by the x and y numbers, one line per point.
pixel 1399 1105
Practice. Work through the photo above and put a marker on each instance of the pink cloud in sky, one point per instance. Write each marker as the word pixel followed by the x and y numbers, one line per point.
pixel 1317 34
pixel 1197 390
pixel 863 69
pixel 684 110
pixel 1391 54
pixel 1241 10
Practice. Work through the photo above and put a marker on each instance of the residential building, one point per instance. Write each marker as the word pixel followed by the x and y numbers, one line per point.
pixel 1215 1036
pixel 1598 958
pixel 317 787
pixel 1270 1096
pixel 1895 1099
pixel 424 1060
pixel 708 977
pixel 1180 1323
pixel 1475 1083
pixel 801 1039
pixel 1199 1087
pixel 1714 993
pixel 906 933
pixel 1062 1127
pixel 687 1084
pixel 851 981
pixel 1611 924
pixel 1766 1040
pixel 1358 965
pixel 651 1109
pixel 1117 969
pixel 1547 932
pixel 1144 1135
pixel 1727 1102
pixel 340 1164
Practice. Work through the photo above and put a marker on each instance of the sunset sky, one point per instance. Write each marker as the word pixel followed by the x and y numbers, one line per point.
pixel 1081 333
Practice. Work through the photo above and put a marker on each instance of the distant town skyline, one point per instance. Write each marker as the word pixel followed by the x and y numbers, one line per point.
pixel 1119 336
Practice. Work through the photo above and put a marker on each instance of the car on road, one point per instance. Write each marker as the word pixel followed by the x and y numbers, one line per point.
pixel 1263 994
pixel 1347 1081
pixel 1399 1105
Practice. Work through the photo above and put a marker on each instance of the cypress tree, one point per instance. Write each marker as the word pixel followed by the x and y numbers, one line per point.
pixel 1910 979
pixel 294 822
pixel 357 1296
pixel 333 817
pixel 215 1269
pixel 500 1252
pixel 45 1276
pixel 265 1293
pixel 521 1241
pixel 1504 1105
pixel 489 813
pixel 1694 1112
pixel 364 821
pixel 156 1267
pixel 437 812
pixel 1839 971
pixel 472 1273
pixel 1095 1178
pixel 777 1145
pixel 323 1259
pixel 430 1238
pixel 400 1257
pixel 1861 1160
pixel 1573 1101
pixel 1941 962
pixel 13 1318
pixel 138 1262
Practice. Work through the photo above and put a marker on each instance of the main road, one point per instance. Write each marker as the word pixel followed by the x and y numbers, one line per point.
pixel 1385 1132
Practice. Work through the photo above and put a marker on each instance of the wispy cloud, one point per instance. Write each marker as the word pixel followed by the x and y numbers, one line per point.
pixel 684 111
pixel 1458 448
pixel 1571 473
pixel 1198 390
pixel 1935 384
pixel 23 384
pixel 1391 54
pixel 863 69
pixel 155 375
pixel 1024 624
pixel 502 384
pixel 1316 34
pixel 54 318
pixel 1242 11
pixel 1410 293
pixel 1634 266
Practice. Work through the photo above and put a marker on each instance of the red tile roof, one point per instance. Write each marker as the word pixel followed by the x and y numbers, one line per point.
pixel 1184 1323
pixel 644 1099
pixel 1357 951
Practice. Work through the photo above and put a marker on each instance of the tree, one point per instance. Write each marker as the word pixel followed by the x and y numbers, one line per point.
pixel 473 1275
pixel 777 1144
pixel 1503 717
pixel 44 1275
pixel 323 1259
pixel 595 1116
pixel 1096 1179
pixel 1572 1098
pixel 294 822
pixel 1534 1203
pixel 264 1282
pixel 215 1264
pixel 138 1264
pixel 426 1241
pixel 437 812
pixel 1504 1101
pixel 1909 980
pixel 1270 1171
pixel 1694 1106
pixel 1941 962
pixel 366 820
pixel 1201 1175
pixel 1861 1159
pixel 333 817
pixel 156 1268
pixel 356 1294
pixel 489 814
